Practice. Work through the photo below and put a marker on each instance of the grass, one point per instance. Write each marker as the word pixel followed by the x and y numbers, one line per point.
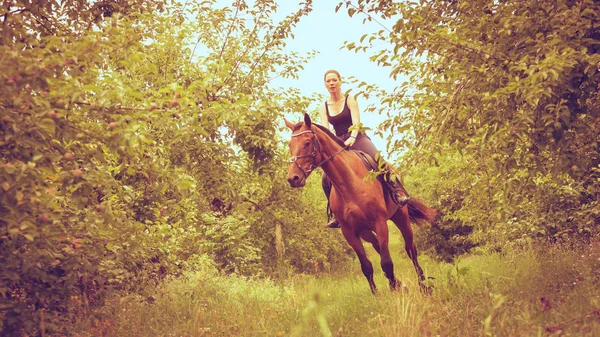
pixel 554 291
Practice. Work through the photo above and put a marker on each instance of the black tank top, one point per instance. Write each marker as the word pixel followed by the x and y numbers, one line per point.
pixel 342 121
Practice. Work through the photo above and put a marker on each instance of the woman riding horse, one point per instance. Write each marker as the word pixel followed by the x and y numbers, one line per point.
pixel 342 112
pixel 360 206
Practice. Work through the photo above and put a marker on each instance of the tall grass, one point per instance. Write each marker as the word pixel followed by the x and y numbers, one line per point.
pixel 555 290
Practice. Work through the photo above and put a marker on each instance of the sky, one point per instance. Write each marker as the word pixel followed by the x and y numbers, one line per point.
pixel 325 31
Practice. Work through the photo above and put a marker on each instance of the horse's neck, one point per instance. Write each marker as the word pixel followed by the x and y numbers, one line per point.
pixel 338 169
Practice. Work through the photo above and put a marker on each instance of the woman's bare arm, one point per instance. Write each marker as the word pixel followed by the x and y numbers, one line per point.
pixel 323 116
pixel 355 114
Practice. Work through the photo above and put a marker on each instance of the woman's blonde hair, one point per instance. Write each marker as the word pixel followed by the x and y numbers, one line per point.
pixel 331 71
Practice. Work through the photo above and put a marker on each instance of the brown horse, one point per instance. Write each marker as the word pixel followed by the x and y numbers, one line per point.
pixel 359 205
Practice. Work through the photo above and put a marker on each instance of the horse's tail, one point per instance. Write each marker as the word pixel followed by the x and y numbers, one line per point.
pixel 420 213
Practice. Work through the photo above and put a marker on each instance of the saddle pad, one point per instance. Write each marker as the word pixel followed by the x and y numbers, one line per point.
pixel 369 162
pixel 371 165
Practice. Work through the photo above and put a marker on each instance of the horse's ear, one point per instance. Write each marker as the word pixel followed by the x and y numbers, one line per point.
pixel 307 120
pixel 288 124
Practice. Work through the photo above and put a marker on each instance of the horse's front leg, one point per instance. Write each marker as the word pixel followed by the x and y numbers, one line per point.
pixel 388 267
pixel 367 268
pixel 386 259
pixel 370 237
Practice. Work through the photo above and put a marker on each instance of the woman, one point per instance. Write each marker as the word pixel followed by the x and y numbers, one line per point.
pixel 342 112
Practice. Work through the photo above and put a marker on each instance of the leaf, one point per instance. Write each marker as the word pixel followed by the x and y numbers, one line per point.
pixel 48 125
pixel 24 225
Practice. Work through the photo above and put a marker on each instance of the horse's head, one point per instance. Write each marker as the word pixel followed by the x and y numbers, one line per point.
pixel 303 150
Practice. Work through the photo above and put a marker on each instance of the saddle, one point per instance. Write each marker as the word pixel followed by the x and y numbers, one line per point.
pixel 391 185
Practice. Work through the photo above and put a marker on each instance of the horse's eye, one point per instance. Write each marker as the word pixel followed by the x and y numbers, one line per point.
pixel 307 143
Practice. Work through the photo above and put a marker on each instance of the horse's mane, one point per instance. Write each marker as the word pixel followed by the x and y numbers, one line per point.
pixel 335 138
pixel 331 135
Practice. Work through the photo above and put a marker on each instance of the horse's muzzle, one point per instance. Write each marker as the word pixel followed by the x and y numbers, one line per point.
pixel 296 180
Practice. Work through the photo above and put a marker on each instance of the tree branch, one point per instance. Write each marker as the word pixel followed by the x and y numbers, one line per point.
pixel 237 10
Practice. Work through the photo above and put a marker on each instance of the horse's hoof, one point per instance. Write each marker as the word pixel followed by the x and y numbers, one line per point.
pixel 427 290
pixel 399 286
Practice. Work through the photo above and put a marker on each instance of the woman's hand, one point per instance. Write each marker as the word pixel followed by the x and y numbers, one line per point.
pixel 350 141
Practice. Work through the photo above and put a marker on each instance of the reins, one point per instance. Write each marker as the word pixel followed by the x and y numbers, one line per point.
pixel 316 144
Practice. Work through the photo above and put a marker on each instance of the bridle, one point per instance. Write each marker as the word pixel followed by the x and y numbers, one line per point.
pixel 313 154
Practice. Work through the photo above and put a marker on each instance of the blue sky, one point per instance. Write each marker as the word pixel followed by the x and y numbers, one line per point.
pixel 325 31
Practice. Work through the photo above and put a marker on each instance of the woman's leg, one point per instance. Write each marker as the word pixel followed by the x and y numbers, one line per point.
pixel 398 193
pixel 326 184
pixel 363 143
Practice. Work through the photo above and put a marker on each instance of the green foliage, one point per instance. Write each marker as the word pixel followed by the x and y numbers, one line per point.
pixel 304 244
pixel 476 213
pixel 525 292
pixel 117 166
pixel 507 94
pixel 140 142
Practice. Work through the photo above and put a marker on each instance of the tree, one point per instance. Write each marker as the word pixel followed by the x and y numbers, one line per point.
pixel 116 138
pixel 512 87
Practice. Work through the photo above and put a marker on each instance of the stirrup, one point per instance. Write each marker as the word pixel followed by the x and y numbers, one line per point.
pixel 400 199
pixel 333 223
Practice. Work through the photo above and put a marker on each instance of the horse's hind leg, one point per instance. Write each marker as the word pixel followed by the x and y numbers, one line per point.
pixel 367 268
pixel 401 219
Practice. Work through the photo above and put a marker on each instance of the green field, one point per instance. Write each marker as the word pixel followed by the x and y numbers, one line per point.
pixel 550 291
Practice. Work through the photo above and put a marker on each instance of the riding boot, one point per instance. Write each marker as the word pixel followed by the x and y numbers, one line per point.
pixel 397 191
pixel 332 221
